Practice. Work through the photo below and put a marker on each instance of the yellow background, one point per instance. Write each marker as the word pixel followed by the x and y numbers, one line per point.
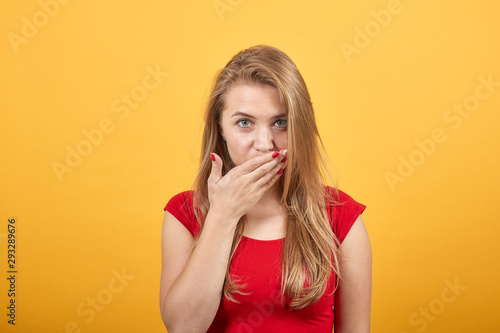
pixel 76 231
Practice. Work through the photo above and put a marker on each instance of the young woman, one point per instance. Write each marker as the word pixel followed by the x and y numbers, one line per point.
pixel 261 244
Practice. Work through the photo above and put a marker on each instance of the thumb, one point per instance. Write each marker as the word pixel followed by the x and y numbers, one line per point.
pixel 216 172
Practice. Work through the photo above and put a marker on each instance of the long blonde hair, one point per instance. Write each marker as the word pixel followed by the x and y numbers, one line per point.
pixel 310 248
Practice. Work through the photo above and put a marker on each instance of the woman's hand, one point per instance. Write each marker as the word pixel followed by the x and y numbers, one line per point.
pixel 242 187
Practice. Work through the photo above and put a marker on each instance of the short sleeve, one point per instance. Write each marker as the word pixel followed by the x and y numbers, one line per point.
pixel 181 207
pixel 343 214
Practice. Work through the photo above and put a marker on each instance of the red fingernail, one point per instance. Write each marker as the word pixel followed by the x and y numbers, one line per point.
pixel 275 154
pixel 212 157
pixel 284 160
pixel 280 171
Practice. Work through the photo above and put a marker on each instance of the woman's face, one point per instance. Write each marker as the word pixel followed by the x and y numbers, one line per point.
pixel 253 122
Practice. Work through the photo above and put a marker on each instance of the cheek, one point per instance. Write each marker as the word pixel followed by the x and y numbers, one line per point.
pixel 282 140
pixel 239 146
pixel 239 141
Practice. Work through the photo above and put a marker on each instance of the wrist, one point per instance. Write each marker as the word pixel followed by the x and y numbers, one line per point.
pixel 219 219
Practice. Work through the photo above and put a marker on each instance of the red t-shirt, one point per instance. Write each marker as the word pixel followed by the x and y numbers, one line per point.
pixel 258 264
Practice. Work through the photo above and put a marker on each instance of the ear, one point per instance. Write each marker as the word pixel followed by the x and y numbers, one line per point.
pixel 221 131
pixel 219 126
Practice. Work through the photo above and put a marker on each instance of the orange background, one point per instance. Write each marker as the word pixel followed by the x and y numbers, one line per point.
pixel 404 107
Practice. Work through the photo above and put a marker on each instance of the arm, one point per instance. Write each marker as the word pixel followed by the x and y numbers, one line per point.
pixel 191 283
pixel 353 296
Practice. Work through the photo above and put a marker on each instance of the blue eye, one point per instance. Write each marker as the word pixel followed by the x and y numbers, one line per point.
pixel 243 122
pixel 281 123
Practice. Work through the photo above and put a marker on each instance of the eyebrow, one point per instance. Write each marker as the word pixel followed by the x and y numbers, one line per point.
pixel 239 113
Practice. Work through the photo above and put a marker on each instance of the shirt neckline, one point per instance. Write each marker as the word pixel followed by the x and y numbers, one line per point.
pixel 263 240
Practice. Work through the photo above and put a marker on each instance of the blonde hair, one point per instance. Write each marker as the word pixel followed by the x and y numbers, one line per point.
pixel 310 249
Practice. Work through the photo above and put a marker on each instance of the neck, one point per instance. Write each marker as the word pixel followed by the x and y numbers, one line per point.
pixel 267 219
pixel 268 206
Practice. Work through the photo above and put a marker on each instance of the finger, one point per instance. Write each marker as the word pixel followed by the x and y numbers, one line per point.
pixel 266 171
pixel 284 159
pixel 270 176
pixel 276 168
pixel 284 153
pixel 258 162
pixel 269 180
pixel 216 171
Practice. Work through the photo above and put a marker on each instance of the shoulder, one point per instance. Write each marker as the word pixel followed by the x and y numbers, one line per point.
pixel 182 208
pixel 342 211
pixel 337 197
pixel 179 200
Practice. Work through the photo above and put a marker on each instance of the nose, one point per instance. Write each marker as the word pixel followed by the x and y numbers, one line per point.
pixel 264 140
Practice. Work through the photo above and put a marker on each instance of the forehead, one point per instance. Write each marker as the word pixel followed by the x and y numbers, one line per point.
pixel 258 99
